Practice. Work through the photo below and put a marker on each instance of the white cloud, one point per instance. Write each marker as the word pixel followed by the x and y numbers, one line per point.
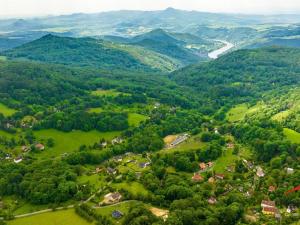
pixel 46 7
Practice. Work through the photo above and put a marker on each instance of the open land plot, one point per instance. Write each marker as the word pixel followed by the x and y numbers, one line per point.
pixel 61 217
pixel 6 111
pixel 66 142
pixel 292 135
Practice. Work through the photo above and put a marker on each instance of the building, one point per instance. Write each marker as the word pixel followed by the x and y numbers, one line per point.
pixel 18 159
pixel 291 209
pixel 202 166
pixel 98 170
pixel 39 146
pixel 211 180
pixel 111 171
pixel 269 211
pixel 112 198
pixel 230 145
pixel 179 140
pixel 259 172
pixel 272 188
pixel 212 200
pixel 116 140
pixel 268 204
pixel 197 177
pixel 220 176
pixel 210 164
pixel 289 170
pixel 116 214
pixel 144 165
pixel 25 148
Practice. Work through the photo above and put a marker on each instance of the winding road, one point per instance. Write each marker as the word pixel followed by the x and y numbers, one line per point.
pixel 215 54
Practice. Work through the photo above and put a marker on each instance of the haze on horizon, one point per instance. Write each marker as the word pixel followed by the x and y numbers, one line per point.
pixel 23 8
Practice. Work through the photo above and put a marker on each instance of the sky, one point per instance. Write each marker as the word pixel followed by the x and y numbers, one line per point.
pixel 11 8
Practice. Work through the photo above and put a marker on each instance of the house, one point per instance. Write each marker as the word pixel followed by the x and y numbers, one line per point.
pixel 230 145
pixel 216 130
pixel 210 164
pixel 289 170
pixel 39 146
pixel 267 204
pixel 248 164
pixel 116 140
pixel 116 214
pixel 220 176
pixel 118 158
pixel 111 171
pixel 291 209
pixel 259 172
pixel 197 177
pixel 179 139
pixel 211 180
pixel 230 168
pixel 202 166
pixel 25 148
pixel 212 200
pixel 272 188
pixel 269 211
pixel 18 159
pixel 98 170
pixel 144 165
pixel 103 144
pixel 112 198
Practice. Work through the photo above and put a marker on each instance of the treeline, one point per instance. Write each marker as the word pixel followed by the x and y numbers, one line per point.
pixel 105 121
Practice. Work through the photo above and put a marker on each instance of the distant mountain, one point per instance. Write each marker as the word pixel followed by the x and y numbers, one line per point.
pixel 90 52
pixel 173 45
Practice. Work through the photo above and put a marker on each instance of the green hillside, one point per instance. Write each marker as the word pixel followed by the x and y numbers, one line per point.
pixel 88 52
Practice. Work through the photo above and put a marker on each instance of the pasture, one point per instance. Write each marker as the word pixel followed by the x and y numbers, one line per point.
pixel 66 142
pixel 6 111
pixel 61 217
pixel 292 135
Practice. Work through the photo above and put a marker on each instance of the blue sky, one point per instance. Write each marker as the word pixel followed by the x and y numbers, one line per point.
pixel 55 7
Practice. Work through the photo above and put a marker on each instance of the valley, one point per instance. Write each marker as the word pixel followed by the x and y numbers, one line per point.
pixel 167 117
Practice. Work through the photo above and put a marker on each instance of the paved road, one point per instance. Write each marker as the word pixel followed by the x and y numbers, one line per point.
pixel 215 54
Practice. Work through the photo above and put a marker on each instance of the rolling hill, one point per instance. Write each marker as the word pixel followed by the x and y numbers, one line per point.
pixel 88 52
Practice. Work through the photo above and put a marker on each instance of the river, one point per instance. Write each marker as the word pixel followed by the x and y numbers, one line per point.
pixel 215 54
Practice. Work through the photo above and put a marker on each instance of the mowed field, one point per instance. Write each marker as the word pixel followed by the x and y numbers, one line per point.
pixel 66 142
pixel 134 119
pixel 6 111
pixel 292 135
pixel 62 217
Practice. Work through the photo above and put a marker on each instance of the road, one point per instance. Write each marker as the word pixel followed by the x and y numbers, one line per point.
pixel 215 54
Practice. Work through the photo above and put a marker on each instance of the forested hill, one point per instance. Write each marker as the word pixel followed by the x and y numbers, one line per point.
pixel 242 75
pixel 88 52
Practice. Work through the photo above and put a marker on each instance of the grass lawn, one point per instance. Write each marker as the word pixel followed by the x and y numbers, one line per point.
pixel 68 142
pixel 133 187
pixel 281 116
pixel 6 111
pixel 134 119
pixel 292 135
pixel 226 160
pixel 107 210
pixel 237 113
pixel 61 217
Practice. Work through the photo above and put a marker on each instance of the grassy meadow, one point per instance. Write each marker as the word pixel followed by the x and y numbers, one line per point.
pixel 61 217
pixel 292 135
pixel 68 142
pixel 6 111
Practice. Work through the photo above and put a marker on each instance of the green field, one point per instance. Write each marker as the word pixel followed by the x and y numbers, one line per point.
pixel 237 113
pixel 134 119
pixel 281 116
pixel 226 160
pixel 133 187
pixel 95 110
pixel 68 142
pixel 62 217
pixel 108 93
pixel 6 111
pixel 292 135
